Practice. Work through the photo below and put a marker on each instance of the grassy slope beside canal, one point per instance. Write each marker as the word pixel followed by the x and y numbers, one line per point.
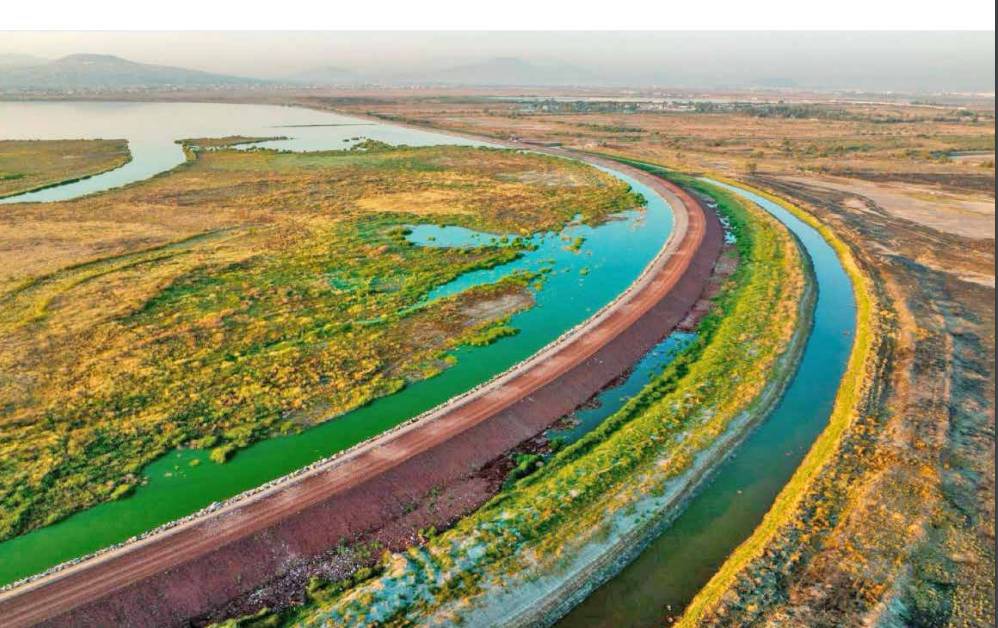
pixel 719 601
pixel 242 295
pixel 897 527
pixel 29 165
pixel 580 493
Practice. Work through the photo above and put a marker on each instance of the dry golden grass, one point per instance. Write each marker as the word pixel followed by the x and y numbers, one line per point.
pixel 424 203
pixel 836 138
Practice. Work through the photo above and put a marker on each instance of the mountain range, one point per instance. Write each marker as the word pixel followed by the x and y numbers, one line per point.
pixel 103 72
pixel 511 71
pixel 108 72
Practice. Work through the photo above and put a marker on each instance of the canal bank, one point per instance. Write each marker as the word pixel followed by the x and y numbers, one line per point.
pixel 665 576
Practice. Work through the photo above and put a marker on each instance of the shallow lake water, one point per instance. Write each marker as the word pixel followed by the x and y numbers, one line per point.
pixel 577 284
pixel 153 128
pixel 669 572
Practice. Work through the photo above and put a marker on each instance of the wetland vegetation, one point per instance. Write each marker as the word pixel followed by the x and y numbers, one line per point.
pixel 247 294
pixel 889 520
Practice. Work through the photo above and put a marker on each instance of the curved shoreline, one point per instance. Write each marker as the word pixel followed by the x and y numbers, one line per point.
pixel 657 513
pixel 851 392
pixel 66 588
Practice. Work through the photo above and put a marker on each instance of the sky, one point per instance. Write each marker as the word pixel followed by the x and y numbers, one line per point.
pixel 877 61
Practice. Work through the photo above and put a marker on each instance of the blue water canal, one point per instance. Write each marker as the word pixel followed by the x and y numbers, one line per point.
pixel 666 576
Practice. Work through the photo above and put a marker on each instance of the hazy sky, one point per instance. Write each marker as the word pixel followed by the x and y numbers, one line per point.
pixel 926 61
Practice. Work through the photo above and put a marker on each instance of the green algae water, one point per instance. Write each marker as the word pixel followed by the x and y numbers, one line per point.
pixel 577 284
pixel 662 580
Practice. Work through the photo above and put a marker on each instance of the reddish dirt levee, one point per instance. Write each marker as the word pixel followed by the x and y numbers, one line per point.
pixel 187 570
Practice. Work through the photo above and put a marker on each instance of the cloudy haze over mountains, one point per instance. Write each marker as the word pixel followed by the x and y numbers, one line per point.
pixel 875 61
pixel 98 71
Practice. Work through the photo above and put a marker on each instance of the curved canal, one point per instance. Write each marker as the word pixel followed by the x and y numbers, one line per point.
pixel 576 284
pixel 667 574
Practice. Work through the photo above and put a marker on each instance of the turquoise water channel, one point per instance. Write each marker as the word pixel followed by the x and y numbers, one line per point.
pixel 577 284
pixel 668 573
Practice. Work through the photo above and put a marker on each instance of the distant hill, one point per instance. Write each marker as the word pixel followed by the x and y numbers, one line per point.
pixel 8 60
pixel 327 75
pixel 501 71
pixel 513 71
pixel 98 72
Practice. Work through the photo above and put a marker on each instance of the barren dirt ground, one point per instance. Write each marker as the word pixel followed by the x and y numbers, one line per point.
pixel 969 215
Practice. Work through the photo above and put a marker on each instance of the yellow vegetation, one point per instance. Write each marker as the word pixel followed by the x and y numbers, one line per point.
pixel 27 165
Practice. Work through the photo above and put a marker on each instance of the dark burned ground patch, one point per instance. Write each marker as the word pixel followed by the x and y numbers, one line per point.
pixel 879 230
